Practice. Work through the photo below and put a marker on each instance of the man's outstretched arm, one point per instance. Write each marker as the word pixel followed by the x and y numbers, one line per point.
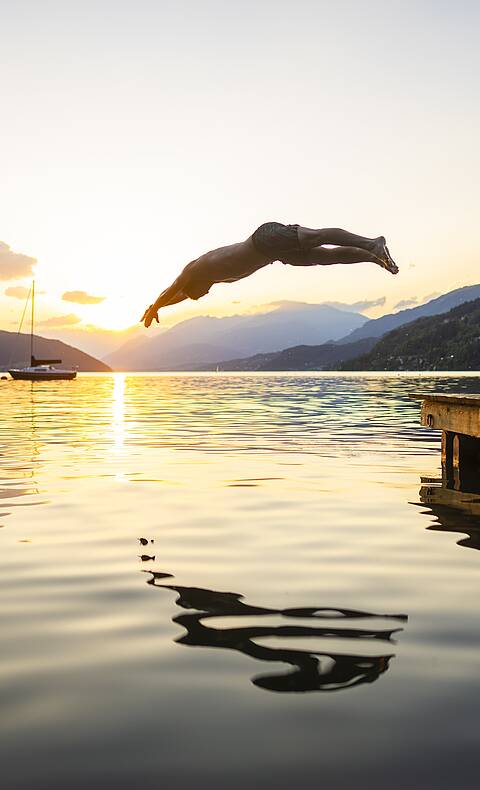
pixel 171 295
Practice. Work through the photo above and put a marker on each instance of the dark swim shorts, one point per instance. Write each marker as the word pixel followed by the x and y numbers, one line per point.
pixel 280 243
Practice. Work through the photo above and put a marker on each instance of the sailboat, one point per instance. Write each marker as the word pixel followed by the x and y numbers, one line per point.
pixel 40 369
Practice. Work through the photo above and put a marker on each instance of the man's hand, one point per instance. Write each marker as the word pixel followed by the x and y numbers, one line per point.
pixel 150 314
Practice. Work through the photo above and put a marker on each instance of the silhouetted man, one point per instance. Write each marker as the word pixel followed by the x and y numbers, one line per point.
pixel 272 241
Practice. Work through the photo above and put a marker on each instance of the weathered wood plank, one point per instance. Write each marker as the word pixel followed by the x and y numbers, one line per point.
pixel 460 399
pixel 439 495
pixel 451 416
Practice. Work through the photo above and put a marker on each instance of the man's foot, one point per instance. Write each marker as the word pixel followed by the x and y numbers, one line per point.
pixel 382 253
pixel 392 266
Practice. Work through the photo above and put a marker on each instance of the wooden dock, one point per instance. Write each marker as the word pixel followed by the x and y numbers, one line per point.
pixel 458 418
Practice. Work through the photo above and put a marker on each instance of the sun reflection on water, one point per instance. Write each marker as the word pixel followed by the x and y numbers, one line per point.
pixel 118 412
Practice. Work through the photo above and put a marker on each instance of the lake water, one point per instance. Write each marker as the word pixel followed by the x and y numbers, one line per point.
pixel 294 617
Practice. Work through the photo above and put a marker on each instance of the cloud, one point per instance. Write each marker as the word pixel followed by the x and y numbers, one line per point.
pixel 14 265
pixel 20 292
pixel 406 303
pixel 416 301
pixel 81 297
pixel 368 304
pixel 286 304
pixel 359 307
pixel 60 320
pixel 17 291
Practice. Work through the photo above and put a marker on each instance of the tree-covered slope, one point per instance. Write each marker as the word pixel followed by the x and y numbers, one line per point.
pixel 450 341
pixel 377 327
pixel 322 357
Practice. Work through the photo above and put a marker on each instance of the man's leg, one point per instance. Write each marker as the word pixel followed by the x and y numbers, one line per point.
pixel 309 238
pixel 322 256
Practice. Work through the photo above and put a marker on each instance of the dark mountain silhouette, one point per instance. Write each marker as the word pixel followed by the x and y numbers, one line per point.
pixel 445 342
pixel 376 327
pixel 15 352
pixel 325 357
pixel 206 340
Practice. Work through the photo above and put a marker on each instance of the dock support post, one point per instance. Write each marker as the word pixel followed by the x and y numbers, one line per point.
pixel 447 457
pixel 465 465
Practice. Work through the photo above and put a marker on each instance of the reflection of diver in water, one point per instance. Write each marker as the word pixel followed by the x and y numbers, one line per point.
pixel 313 671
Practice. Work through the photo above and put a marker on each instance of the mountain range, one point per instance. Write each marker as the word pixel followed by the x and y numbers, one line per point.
pixel 211 340
pixel 376 327
pixel 290 336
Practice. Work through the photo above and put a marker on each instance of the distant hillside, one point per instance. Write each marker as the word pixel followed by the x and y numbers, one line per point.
pixel 324 357
pixel 446 342
pixel 208 340
pixel 15 352
pixel 377 327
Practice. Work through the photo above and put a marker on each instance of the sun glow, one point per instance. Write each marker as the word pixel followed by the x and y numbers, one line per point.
pixel 112 315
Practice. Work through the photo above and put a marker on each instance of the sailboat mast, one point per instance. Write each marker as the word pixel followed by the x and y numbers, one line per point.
pixel 32 322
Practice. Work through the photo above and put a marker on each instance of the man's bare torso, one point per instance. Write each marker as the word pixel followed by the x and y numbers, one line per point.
pixel 231 263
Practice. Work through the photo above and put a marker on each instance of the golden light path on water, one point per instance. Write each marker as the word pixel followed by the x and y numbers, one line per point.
pixel 118 410
pixel 282 538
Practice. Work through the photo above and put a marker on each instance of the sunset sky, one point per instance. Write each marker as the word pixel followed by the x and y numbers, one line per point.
pixel 137 135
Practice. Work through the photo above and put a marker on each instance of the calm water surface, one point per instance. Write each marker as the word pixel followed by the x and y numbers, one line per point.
pixel 291 617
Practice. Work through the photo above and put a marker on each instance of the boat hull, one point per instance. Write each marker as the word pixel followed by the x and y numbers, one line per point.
pixel 51 375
